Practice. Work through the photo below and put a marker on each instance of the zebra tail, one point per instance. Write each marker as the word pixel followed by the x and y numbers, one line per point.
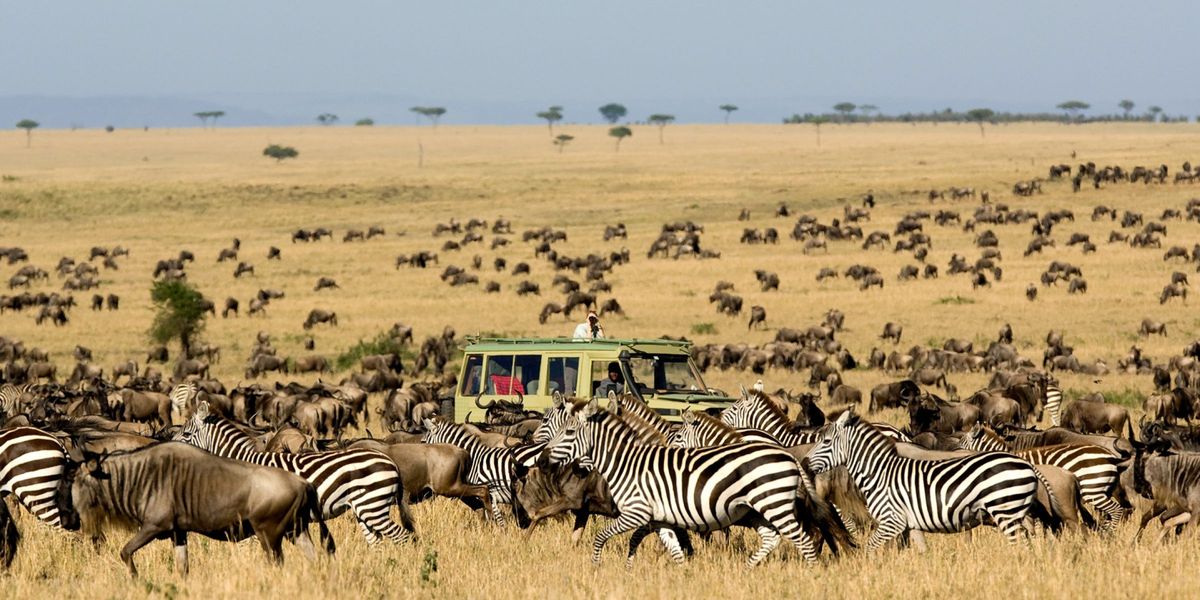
pixel 312 503
pixel 9 537
pixel 1056 508
pixel 816 516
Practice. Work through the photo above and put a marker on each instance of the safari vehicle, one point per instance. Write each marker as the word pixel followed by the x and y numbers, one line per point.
pixel 531 370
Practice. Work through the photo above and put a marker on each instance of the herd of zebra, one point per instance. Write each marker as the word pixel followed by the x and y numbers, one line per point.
pixel 749 466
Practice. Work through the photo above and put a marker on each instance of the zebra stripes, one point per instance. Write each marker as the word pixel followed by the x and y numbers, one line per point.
pixel 10 398
pixel 492 467
pixel 31 464
pixel 181 396
pixel 1053 401
pixel 1095 468
pixel 704 489
pixel 365 482
pixel 927 495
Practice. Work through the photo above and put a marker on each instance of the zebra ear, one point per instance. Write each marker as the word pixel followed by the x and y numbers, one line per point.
pixel 688 416
pixel 742 392
pixel 558 399
pixel 844 419
pixel 593 406
pixel 428 423
pixel 201 411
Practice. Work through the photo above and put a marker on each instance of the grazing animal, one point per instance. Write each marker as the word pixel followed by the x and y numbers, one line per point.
pixel 654 486
pixel 364 482
pixel 167 490
pixel 490 467
pixel 1086 416
pixel 892 331
pixel 318 315
pixel 1150 326
pixel 31 464
pixel 758 315
pixel 943 496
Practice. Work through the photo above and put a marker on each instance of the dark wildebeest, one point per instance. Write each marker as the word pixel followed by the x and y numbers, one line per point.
pixel 432 469
pixel 542 493
pixel 1150 326
pixel 231 306
pixel 326 283
pixel 893 395
pixel 168 490
pixel 318 315
pixel 758 315
pixel 1085 416
pixel 892 331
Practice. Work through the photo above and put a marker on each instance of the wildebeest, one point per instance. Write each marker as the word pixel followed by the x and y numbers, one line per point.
pixel 319 315
pixel 325 283
pixel 893 395
pixel 892 331
pixel 168 490
pixel 1150 326
pixel 1085 416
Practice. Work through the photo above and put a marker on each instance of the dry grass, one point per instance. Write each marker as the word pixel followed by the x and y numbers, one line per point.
pixel 163 190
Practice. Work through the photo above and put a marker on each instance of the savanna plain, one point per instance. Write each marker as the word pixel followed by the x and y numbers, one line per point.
pixel 158 192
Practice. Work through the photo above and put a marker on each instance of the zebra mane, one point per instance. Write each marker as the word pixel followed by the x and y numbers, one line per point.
pixel 868 429
pixel 722 428
pixel 990 435
pixel 761 399
pixel 634 428
pixel 631 405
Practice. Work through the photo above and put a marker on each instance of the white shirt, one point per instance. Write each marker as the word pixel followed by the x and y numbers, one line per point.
pixel 583 331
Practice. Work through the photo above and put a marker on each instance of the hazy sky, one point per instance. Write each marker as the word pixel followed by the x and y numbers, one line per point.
pixel 508 58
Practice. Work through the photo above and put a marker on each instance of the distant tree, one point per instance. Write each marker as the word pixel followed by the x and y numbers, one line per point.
pixel 364 122
pixel 620 133
pixel 818 121
pixel 845 108
pixel 327 118
pixel 867 109
pixel 1073 108
pixel 28 125
pixel 178 313
pixel 728 108
pixel 433 113
pixel 216 114
pixel 551 115
pixel 561 140
pixel 109 128
pixel 980 115
pixel 612 112
pixel 1154 112
pixel 204 116
pixel 279 153
pixel 1127 106
pixel 661 121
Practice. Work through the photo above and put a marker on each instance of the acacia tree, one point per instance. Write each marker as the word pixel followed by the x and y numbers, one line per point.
pixel 279 153
pixel 364 122
pixel 1154 112
pixel 433 113
pixel 661 121
pixel 620 133
pixel 818 121
pixel 327 118
pixel 728 108
pixel 1073 108
pixel 1127 106
pixel 551 115
pixel 612 112
pixel 979 115
pixel 178 313
pixel 845 108
pixel 204 116
pixel 561 140
pixel 867 109
pixel 28 125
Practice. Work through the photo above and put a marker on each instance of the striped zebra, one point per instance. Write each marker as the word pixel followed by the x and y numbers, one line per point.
pixel 701 431
pixel 555 418
pixel 927 495
pixel 31 464
pixel 755 414
pixel 1053 400
pixel 11 396
pixel 181 397
pixel 698 489
pixel 493 467
pixel 365 482
pixel 1096 469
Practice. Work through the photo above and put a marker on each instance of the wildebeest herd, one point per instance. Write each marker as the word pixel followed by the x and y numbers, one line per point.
pixel 271 460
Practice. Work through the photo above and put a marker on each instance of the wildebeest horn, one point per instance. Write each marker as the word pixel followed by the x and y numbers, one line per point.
pixel 483 406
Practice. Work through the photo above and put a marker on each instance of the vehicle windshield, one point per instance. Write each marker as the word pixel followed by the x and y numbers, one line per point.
pixel 664 373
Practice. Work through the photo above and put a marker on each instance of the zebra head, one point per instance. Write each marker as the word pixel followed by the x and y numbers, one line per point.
pixel 553 420
pixel 982 439
pixel 571 441
pixel 687 434
pixel 833 449
pixel 199 430
pixel 437 432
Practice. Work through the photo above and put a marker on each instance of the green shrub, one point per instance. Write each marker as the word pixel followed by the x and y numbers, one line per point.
pixel 704 329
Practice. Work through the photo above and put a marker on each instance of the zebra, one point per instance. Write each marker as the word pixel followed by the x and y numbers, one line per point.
pixel 493 467
pixel 698 489
pixel 701 431
pixel 11 395
pixel 1053 402
pixel 755 415
pixel 560 411
pixel 182 395
pixel 1096 469
pixel 553 419
pixel 366 482
pixel 31 466
pixel 927 495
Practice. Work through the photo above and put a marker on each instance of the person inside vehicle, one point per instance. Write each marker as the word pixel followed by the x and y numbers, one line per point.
pixel 615 383
pixel 589 329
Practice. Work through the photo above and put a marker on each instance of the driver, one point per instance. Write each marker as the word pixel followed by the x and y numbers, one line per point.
pixel 615 383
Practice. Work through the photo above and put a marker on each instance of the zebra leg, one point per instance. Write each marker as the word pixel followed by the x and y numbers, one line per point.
pixel 884 533
pixel 1113 512
pixel 770 539
pixel 918 540
pixel 378 520
pixel 369 534
pixel 674 542
pixel 1012 527
pixel 635 540
pixel 847 521
pixel 636 516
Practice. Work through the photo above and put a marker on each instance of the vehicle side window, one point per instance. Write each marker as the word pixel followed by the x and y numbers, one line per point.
pixel 470 383
pixel 499 376
pixel 527 372
pixel 564 373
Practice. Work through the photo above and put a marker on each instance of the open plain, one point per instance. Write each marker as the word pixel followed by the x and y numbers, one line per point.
pixel 160 191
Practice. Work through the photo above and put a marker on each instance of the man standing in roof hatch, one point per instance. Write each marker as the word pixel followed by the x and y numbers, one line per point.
pixel 590 329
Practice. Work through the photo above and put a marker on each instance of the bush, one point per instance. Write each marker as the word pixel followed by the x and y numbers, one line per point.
pixel 955 300
pixel 279 153
pixel 704 329
pixel 383 343
pixel 178 312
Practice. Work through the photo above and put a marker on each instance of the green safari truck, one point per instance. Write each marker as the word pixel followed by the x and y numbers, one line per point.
pixel 531 370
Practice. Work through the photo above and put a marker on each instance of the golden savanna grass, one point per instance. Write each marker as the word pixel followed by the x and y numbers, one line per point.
pixel 160 191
